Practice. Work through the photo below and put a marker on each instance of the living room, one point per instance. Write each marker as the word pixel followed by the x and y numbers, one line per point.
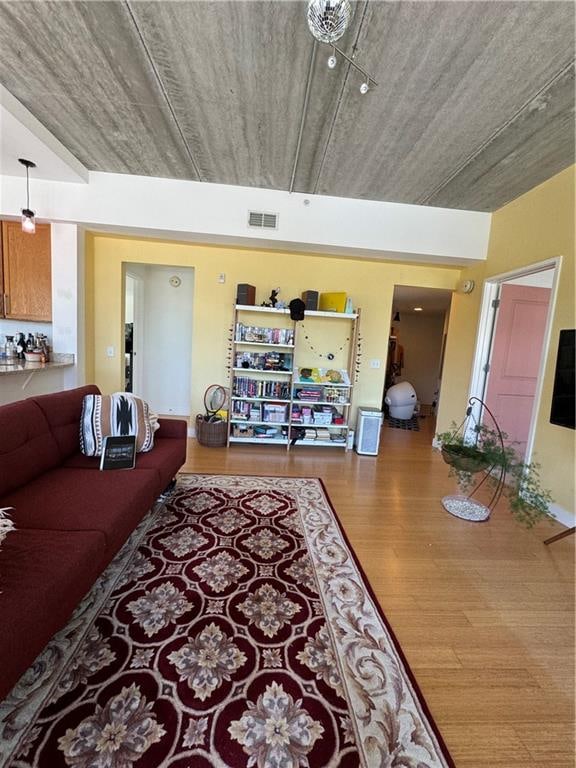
pixel 486 610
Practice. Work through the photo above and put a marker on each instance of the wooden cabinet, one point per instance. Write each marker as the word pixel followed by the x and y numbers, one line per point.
pixel 26 273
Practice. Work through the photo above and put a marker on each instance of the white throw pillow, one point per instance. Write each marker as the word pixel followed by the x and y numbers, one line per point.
pixel 6 525
pixel 119 414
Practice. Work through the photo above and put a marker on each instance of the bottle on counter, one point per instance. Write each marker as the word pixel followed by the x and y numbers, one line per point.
pixel 10 348
pixel 20 346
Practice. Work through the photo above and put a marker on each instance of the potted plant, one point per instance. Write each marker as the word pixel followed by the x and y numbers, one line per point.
pixel 485 449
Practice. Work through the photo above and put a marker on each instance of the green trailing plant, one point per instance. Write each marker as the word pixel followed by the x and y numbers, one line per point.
pixel 490 452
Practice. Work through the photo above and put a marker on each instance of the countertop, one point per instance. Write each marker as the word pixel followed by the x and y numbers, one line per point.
pixel 23 366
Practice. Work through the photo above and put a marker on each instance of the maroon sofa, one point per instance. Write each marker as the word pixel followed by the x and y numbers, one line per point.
pixel 71 519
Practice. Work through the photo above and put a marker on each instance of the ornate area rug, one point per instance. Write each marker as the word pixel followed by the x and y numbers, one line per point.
pixel 235 630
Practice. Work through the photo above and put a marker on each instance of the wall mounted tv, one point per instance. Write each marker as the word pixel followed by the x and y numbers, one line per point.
pixel 564 394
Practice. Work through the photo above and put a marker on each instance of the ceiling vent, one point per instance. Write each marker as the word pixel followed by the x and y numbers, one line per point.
pixel 262 220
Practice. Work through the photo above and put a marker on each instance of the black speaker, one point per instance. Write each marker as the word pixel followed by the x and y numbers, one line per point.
pixel 245 294
pixel 310 299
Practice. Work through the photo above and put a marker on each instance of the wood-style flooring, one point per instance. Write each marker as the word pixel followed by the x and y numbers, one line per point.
pixel 484 612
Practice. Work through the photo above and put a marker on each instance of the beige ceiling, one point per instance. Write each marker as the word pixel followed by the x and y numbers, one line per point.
pixel 474 104
pixel 432 300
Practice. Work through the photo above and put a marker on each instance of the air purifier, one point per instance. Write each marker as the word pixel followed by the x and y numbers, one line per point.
pixel 368 426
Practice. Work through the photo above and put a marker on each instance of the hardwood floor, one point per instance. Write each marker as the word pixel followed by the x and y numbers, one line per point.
pixel 484 612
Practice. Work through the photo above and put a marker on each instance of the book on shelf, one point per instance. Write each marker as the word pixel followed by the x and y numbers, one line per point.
pixel 264 361
pixel 323 376
pixel 244 386
pixel 257 335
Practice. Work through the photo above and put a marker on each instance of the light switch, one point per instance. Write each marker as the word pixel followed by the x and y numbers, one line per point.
pixel 110 351
pixel 221 277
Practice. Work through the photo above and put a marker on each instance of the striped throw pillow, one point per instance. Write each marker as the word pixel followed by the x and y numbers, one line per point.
pixel 119 414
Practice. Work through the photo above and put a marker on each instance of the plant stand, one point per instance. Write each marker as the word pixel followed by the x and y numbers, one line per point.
pixel 466 507
pixel 559 536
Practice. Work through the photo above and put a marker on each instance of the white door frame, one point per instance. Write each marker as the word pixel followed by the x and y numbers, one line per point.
pixel 484 339
pixel 137 330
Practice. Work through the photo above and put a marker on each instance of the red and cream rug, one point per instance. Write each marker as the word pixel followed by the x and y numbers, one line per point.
pixel 236 629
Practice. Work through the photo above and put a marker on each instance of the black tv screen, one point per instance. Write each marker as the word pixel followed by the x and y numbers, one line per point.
pixel 564 394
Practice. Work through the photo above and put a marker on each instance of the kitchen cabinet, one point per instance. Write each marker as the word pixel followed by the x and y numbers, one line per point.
pixel 26 273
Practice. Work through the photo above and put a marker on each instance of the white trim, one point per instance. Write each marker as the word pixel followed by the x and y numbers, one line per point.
pixel 562 516
pixel 484 335
pixel 40 144
pixel 543 357
pixel 486 322
pixel 209 213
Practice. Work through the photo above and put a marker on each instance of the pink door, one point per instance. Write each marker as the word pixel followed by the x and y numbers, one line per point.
pixel 515 363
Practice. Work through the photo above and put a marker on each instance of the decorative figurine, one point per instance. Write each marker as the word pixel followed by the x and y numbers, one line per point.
pixel 272 299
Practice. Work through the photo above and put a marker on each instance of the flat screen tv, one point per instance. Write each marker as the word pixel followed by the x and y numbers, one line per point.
pixel 564 394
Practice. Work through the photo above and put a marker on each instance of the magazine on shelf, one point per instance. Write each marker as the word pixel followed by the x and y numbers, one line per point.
pixel 323 376
pixel 119 452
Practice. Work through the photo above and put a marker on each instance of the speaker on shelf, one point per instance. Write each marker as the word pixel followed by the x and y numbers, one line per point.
pixel 310 299
pixel 245 294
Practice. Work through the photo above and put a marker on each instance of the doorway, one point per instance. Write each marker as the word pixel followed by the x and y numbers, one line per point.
pixel 511 350
pixel 418 326
pixel 158 323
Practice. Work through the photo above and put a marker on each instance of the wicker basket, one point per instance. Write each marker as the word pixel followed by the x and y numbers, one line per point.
pixel 212 434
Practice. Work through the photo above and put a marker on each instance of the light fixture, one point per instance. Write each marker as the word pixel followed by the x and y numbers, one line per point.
pixel 28 220
pixel 417 309
pixel 327 21
pixel 397 317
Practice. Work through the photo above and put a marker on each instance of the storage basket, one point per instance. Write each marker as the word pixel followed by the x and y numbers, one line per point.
pixel 212 434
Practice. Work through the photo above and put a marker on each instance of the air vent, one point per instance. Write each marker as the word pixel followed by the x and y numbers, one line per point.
pixel 262 220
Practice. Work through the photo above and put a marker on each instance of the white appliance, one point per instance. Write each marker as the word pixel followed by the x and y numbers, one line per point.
pixel 368 426
pixel 401 398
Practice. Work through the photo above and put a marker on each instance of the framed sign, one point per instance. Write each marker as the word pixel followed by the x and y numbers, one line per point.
pixel 119 452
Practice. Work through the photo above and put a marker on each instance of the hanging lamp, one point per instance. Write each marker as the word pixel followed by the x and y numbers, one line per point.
pixel 28 216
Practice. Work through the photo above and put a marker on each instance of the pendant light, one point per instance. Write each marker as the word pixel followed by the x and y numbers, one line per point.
pixel 328 20
pixel 28 220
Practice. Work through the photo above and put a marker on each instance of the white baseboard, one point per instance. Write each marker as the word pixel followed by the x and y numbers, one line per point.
pixel 563 516
pixel 191 432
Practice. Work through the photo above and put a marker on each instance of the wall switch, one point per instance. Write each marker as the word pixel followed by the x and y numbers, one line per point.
pixel 110 352
pixel 374 363
pixel 221 277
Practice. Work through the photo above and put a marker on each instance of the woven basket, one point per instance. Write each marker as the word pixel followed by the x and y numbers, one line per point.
pixel 212 434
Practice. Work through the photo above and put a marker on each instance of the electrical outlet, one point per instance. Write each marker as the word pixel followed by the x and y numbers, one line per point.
pixel 374 363
pixel 110 352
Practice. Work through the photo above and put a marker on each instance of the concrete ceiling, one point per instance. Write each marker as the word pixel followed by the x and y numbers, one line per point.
pixel 475 102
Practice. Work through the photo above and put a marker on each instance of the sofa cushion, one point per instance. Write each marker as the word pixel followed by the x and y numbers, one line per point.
pixel 166 458
pixel 62 411
pixel 64 499
pixel 27 447
pixel 43 577
pixel 119 414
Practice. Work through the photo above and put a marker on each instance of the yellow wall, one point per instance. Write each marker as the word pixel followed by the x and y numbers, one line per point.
pixel 369 284
pixel 535 227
